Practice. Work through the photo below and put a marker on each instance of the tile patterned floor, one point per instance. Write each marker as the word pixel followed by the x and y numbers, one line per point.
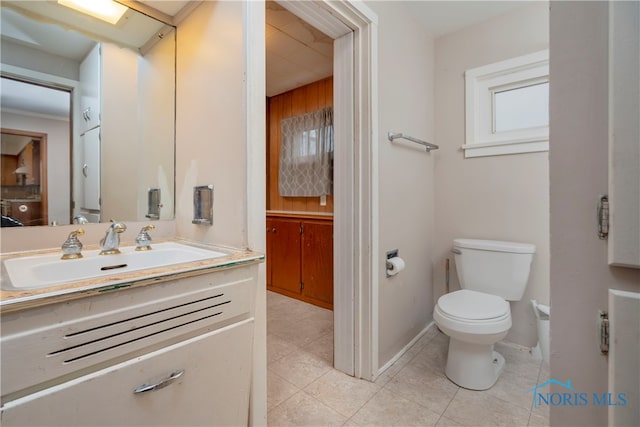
pixel 304 390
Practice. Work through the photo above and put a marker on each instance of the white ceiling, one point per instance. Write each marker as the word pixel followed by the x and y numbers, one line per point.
pixel 296 52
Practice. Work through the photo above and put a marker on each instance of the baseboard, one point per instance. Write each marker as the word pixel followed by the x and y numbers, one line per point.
pixel 395 358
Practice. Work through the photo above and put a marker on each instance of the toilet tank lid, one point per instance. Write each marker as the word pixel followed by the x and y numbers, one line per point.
pixel 495 245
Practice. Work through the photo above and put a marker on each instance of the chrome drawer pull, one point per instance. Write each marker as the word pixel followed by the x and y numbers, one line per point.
pixel 162 384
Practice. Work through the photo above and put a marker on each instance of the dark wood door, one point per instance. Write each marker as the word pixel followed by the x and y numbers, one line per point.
pixel 317 262
pixel 283 259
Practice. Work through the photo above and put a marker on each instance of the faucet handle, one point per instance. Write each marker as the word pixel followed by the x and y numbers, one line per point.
pixel 143 240
pixel 117 226
pixel 72 247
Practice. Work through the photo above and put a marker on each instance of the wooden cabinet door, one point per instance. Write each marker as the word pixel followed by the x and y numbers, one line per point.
pixel 8 167
pixel 213 389
pixel 284 258
pixel 317 262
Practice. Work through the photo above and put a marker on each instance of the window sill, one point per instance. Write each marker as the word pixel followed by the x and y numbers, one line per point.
pixel 505 147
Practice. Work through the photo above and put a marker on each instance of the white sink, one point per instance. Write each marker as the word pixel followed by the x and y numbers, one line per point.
pixel 40 271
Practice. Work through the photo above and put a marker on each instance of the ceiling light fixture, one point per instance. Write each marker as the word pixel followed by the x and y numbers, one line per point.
pixel 106 10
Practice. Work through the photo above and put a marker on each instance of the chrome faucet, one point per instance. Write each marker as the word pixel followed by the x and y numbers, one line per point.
pixel 143 240
pixel 111 241
pixel 72 247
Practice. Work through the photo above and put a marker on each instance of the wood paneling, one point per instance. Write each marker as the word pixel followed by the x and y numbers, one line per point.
pixel 305 99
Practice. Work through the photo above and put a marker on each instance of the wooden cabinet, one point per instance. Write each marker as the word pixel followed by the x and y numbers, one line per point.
pixel 8 167
pixel 81 362
pixel 27 212
pixel 300 258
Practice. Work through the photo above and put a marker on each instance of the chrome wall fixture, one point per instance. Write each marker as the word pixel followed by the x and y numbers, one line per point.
pixel 399 135
pixel 203 204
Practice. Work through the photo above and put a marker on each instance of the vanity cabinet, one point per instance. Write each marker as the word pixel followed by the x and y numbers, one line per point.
pixel 172 353
pixel 300 258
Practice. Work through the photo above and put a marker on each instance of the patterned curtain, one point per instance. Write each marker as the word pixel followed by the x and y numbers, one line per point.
pixel 306 155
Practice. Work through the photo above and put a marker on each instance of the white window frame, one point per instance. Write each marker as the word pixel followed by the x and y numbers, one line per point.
pixel 480 86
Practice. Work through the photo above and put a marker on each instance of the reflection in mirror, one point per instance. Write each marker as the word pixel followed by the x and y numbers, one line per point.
pixel 109 140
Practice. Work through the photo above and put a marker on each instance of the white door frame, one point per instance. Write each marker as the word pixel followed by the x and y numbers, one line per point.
pixel 356 336
pixel 354 28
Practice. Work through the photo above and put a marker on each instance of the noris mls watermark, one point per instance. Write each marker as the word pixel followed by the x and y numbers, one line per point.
pixel 573 397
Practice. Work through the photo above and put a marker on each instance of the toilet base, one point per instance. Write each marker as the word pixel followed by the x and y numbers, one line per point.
pixel 473 366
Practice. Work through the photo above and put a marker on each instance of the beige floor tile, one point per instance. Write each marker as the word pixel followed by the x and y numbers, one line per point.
pixel 277 348
pixel 303 410
pixel 431 333
pixel 519 360
pixel 341 392
pixel 514 387
pixel 278 390
pixel 300 369
pixel 539 416
pixel 321 348
pixel 448 422
pixel 473 408
pixel 424 386
pixel 433 354
pixel 389 409
pixel 299 332
pixel 397 366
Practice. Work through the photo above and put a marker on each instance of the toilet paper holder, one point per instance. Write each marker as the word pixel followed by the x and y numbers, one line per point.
pixel 390 254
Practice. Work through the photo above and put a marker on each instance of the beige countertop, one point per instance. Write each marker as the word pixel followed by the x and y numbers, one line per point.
pixel 19 299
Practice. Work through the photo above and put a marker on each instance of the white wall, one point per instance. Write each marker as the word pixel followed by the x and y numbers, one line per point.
pixel 119 157
pixel 210 133
pixel 580 275
pixel 498 197
pixel 58 167
pixel 406 177
pixel 156 138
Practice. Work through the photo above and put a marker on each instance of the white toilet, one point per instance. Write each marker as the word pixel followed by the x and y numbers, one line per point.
pixel 491 273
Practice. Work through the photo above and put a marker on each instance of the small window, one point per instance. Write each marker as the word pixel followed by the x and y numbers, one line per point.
pixel 507 107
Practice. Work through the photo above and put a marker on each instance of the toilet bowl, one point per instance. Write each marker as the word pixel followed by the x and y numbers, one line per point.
pixel 491 273
pixel 474 321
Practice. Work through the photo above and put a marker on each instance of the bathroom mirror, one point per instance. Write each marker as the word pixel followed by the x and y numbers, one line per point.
pixel 88 115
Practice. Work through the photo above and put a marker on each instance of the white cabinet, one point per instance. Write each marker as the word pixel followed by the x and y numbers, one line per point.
pixel 211 387
pixel 91 169
pixel 80 362
pixel 90 77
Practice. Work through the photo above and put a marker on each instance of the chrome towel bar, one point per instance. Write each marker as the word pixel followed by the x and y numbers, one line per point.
pixel 399 135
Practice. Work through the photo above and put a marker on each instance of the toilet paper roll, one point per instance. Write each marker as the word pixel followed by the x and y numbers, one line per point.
pixel 394 266
pixel 23 208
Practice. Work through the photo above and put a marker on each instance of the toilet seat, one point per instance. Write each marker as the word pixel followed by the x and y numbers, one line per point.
pixel 466 304
pixel 471 312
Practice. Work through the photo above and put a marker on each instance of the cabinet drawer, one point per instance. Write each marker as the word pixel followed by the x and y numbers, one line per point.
pixel 213 388
pixel 71 339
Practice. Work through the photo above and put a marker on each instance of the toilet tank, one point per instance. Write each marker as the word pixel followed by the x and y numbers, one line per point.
pixel 494 267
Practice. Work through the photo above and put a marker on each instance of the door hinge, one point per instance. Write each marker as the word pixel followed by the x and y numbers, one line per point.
pixel 301 286
pixel 301 228
pixel 603 217
pixel 603 331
